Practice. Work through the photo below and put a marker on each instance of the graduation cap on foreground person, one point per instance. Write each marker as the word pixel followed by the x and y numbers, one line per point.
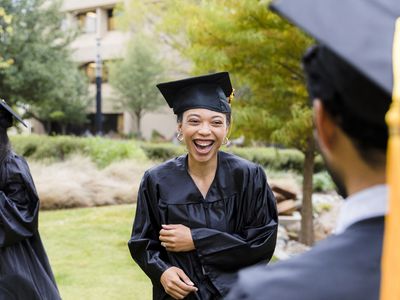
pixel 7 109
pixel 365 34
pixel 212 91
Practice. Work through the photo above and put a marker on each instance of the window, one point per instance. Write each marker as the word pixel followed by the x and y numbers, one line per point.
pixel 87 21
pixel 90 71
pixel 110 19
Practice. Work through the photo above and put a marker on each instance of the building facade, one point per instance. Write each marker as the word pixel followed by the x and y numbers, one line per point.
pixel 95 20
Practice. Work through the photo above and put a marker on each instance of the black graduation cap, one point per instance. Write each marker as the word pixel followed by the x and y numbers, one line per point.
pixel 358 32
pixel 208 91
pixel 5 107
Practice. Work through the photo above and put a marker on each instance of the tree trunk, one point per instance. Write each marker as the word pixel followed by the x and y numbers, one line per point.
pixel 48 127
pixel 138 119
pixel 64 129
pixel 307 227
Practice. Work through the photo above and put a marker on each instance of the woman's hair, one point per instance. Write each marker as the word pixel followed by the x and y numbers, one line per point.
pixel 5 146
pixel 6 121
pixel 179 118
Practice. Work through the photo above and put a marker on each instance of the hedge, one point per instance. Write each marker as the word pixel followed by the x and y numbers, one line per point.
pixel 162 151
pixel 268 157
pixel 102 151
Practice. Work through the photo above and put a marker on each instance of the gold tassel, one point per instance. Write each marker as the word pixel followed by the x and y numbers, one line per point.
pixel 390 287
pixel 231 96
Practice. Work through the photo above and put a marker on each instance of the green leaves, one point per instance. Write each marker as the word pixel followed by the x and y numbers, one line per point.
pixel 261 51
pixel 6 30
pixel 135 76
pixel 42 76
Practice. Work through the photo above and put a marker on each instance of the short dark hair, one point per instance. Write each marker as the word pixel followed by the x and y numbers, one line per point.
pixel 346 94
pixel 370 141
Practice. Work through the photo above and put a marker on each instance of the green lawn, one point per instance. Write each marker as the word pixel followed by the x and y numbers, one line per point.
pixel 88 252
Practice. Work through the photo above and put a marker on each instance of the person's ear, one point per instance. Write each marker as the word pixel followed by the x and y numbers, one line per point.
pixel 324 125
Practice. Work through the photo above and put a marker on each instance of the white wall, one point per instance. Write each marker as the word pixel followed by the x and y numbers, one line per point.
pixel 74 5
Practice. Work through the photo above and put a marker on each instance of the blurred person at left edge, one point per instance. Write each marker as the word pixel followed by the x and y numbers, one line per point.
pixel 204 215
pixel 22 254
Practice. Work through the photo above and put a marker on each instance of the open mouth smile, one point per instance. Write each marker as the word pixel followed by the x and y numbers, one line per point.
pixel 203 146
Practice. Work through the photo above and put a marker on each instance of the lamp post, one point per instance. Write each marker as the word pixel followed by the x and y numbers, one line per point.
pixel 99 116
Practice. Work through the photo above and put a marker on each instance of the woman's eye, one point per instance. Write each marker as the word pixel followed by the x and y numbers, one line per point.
pixel 193 121
pixel 217 123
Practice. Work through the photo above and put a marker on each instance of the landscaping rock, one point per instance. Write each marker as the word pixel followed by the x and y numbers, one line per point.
pixel 286 207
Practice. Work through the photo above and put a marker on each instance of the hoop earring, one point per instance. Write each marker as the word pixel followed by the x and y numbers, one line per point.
pixel 225 141
pixel 179 136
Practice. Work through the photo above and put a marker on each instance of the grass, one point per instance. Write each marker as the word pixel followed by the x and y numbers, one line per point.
pixel 88 252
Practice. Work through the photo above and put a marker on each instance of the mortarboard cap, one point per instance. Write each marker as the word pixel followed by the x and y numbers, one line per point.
pixel 359 31
pixel 7 109
pixel 355 57
pixel 209 91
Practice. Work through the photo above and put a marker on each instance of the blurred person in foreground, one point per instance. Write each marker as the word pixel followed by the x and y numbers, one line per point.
pixel 16 287
pixel 22 254
pixel 202 216
pixel 349 81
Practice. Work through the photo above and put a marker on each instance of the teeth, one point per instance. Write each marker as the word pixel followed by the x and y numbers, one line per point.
pixel 203 144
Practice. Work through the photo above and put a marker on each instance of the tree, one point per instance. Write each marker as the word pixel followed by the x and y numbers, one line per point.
pixel 134 79
pixel 42 78
pixel 67 107
pixel 5 32
pixel 263 53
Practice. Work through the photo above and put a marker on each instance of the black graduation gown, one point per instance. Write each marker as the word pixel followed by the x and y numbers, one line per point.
pixel 15 287
pixel 233 227
pixel 342 267
pixel 21 250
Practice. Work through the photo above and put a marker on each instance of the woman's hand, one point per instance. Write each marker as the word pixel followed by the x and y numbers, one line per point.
pixel 176 283
pixel 176 238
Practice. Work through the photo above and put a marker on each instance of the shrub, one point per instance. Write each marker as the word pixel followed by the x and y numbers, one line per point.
pixel 162 152
pixel 102 151
pixel 44 147
pixel 268 157
pixel 277 159
pixel 322 182
pixel 272 158
pixel 105 151
pixel 25 145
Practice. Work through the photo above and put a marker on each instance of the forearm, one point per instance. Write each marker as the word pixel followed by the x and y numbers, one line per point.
pixel 150 259
pixel 233 251
pixel 16 224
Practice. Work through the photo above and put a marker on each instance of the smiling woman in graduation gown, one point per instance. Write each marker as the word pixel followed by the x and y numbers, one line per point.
pixel 21 251
pixel 232 225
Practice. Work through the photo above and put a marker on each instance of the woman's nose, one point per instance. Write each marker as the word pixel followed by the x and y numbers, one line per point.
pixel 205 129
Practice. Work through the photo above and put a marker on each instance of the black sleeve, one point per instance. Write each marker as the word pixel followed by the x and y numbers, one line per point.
pixel 144 244
pixel 19 203
pixel 255 243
